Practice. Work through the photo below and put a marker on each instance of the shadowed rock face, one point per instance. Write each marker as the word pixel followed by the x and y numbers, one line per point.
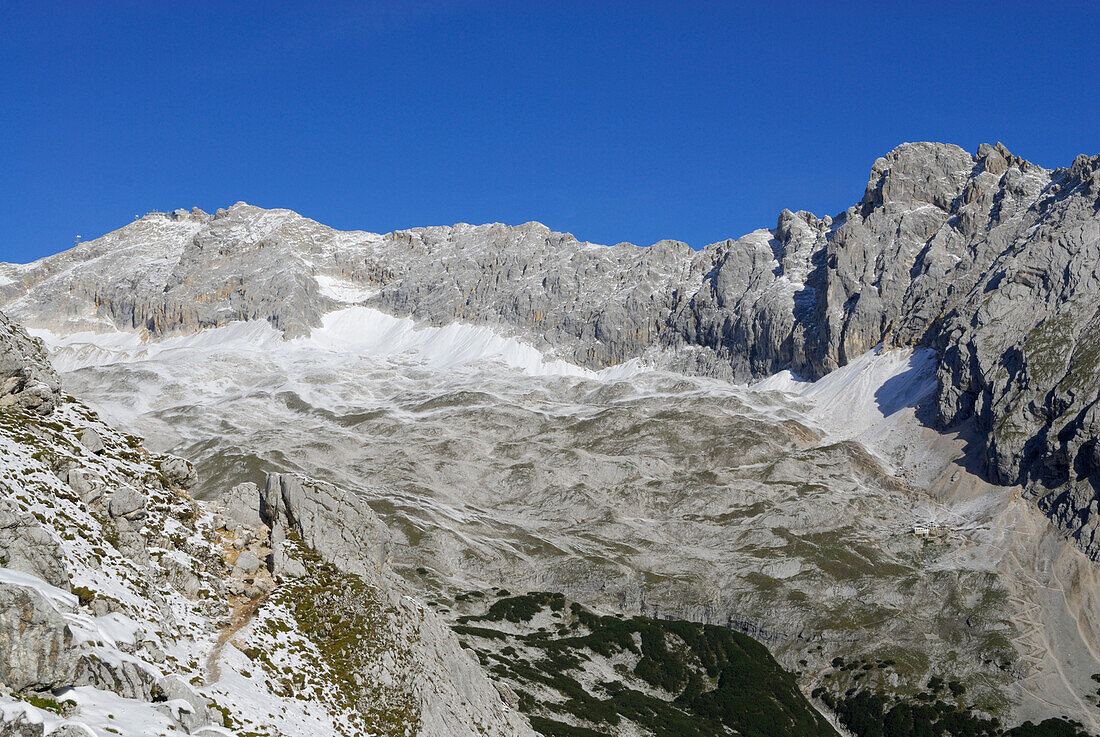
pixel 987 258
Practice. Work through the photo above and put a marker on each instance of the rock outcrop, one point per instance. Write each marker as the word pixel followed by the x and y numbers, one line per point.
pixel 26 546
pixel 345 531
pixel 36 644
pixel 453 695
pixel 26 377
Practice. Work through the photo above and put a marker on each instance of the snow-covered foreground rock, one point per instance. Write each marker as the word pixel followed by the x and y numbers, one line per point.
pixel 126 607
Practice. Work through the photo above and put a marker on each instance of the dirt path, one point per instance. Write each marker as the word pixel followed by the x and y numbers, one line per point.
pixel 242 615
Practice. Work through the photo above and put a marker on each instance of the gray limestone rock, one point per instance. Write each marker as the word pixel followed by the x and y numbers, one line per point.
pixel 131 543
pixel 180 577
pixel 247 563
pixel 90 439
pixel 20 726
pixel 87 484
pixel 191 710
pixel 130 679
pixel 26 546
pixel 127 503
pixel 70 730
pixel 36 645
pixel 342 530
pixel 26 377
pixel 177 471
pixel 242 504
pixel 455 697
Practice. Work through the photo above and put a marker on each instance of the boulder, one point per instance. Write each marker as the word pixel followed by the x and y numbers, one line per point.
pixel 242 504
pixel 87 484
pixel 188 708
pixel 131 543
pixel 71 730
pixel 178 472
pixel 127 503
pixel 90 439
pixel 247 563
pixel 129 678
pixel 36 644
pixel 25 545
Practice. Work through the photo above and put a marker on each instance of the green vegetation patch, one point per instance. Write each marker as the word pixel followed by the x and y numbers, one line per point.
pixel 871 714
pixel 686 679
pixel 522 608
pixel 348 621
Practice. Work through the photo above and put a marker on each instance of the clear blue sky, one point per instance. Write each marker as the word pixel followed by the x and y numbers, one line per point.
pixel 614 121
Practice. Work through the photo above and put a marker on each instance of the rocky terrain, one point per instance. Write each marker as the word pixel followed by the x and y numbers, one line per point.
pixel 126 607
pixel 945 249
pixel 508 407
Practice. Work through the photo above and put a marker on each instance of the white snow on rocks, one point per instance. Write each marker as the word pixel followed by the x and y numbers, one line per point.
pixel 360 332
pixel 343 290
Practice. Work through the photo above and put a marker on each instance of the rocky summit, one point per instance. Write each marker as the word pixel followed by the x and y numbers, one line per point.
pixel 260 476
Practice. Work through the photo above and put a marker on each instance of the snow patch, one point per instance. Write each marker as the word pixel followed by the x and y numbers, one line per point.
pixel 858 397
pixel 368 332
pixel 343 290
pixel 61 600
pixel 784 381
pixel 872 400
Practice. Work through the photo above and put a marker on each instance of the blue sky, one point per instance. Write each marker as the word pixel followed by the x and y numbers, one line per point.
pixel 627 121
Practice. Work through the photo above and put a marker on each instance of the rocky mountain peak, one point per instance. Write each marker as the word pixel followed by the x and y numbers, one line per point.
pixel 1084 173
pixel 915 174
pixel 943 330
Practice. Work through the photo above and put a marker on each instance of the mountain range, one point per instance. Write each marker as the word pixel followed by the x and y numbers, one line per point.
pixel 870 442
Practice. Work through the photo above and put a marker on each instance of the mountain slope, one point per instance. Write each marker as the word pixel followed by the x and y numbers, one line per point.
pixel 985 258
pixel 128 608
pixel 788 511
